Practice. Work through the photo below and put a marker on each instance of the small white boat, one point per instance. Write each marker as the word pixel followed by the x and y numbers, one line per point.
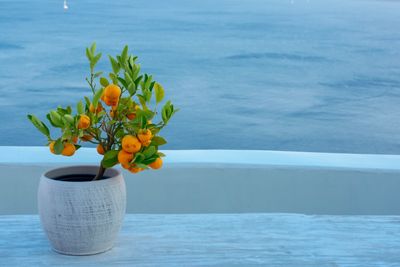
pixel 65 5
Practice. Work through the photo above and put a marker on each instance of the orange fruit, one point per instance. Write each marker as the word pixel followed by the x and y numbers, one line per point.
pixel 51 147
pixel 112 91
pixel 86 137
pixel 156 164
pixel 144 136
pixel 146 143
pixel 99 108
pixel 126 165
pixel 111 94
pixel 110 101
pixel 84 122
pixel 74 139
pixel 69 149
pixel 135 169
pixel 100 149
pixel 124 158
pixel 113 111
pixel 131 144
pixel 131 116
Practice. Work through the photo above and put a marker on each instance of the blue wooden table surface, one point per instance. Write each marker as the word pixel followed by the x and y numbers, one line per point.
pixel 219 240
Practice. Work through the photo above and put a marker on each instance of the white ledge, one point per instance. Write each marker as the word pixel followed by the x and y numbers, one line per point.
pixel 204 181
pixel 39 155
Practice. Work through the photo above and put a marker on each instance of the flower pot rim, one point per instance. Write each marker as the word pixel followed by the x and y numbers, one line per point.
pixel 84 169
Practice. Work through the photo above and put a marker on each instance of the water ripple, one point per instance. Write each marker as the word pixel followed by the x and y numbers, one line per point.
pixel 278 56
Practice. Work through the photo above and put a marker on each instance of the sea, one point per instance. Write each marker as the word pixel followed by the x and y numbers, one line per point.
pixel 291 75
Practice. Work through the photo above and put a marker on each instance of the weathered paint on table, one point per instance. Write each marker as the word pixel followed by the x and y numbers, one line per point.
pixel 219 240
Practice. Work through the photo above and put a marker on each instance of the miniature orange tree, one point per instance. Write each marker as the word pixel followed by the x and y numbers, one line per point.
pixel 117 117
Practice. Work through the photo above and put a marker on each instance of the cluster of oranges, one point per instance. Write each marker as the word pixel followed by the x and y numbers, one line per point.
pixel 69 147
pixel 68 150
pixel 130 144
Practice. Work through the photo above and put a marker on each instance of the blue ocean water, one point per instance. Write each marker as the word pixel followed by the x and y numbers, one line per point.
pixel 254 74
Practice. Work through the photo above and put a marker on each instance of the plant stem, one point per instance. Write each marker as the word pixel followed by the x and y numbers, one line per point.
pixel 100 173
pixel 109 143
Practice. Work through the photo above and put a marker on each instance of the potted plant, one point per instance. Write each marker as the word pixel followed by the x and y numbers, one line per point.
pixel 82 207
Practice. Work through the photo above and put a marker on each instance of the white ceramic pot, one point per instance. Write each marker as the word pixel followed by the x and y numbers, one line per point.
pixel 81 217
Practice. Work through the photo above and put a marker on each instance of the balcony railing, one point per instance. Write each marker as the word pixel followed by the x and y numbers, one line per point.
pixel 226 181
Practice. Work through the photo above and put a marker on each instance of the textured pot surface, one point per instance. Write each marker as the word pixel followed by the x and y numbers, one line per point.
pixel 81 218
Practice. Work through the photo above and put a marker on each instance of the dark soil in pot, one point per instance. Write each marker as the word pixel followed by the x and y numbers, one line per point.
pixel 78 178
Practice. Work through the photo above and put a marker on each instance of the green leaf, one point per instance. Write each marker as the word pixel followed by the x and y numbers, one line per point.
pixel 114 78
pixel 174 111
pixel 93 48
pixel 154 129
pixel 87 101
pixel 131 61
pixel 129 72
pixel 104 82
pixel 138 79
pixel 56 118
pixel 142 100
pixel 66 134
pixel 39 125
pixel 140 165
pixel 135 73
pixel 124 54
pixel 58 146
pixel 88 54
pixel 120 133
pixel 114 64
pixel 49 119
pixel 62 111
pixel 159 92
pixel 128 77
pixel 159 141
pixel 80 108
pixel 148 81
pixel 121 63
pixel 164 112
pixel 69 119
pixel 132 89
pixel 147 95
pixel 96 59
pixel 96 97
pixel 123 82
pixel 149 151
pixel 110 159
pixel 167 112
pixel 142 120
pixel 152 85
pixel 139 157
pixel 151 159
pixel 148 114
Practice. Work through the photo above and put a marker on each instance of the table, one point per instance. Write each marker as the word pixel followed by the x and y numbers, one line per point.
pixel 219 240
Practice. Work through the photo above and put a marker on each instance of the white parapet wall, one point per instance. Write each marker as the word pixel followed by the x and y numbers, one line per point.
pixel 226 181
